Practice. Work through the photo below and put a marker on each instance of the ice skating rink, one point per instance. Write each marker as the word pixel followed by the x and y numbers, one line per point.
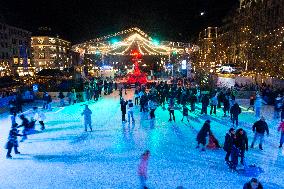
pixel 64 156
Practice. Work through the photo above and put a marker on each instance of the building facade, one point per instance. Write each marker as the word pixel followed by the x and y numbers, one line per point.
pixel 251 39
pixel 51 53
pixel 15 51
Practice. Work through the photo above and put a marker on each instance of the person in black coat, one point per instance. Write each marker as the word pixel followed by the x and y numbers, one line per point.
pixel 229 142
pixel 26 125
pixel 235 112
pixel 253 184
pixel 242 143
pixel 226 103
pixel 205 103
pixel 12 141
pixel 202 134
pixel 259 128
pixel 123 105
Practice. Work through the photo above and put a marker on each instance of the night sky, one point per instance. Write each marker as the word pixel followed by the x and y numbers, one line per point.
pixel 79 20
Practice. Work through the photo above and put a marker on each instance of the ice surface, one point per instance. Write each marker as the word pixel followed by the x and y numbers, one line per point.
pixel 64 156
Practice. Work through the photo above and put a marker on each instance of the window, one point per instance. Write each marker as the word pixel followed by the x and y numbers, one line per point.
pixel 41 55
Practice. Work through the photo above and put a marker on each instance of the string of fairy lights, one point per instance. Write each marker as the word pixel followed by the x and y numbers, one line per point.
pixel 134 38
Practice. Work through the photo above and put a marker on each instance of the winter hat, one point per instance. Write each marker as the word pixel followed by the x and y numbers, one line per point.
pixel 232 129
pixel 207 121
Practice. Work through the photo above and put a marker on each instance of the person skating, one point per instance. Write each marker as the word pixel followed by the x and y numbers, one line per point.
pixel 152 105
pixel 73 97
pixel 202 134
pixel 228 144
pixel 87 117
pixel 213 142
pixel 251 102
pixel 143 168
pixel 61 97
pixel 205 103
pixel 281 129
pixel 257 105
pixel 123 105
pixel 226 104
pixel 13 141
pixel 136 97
pixel 213 104
pixel 253 184
pixel 130 111
pixel 120 93
pixel 39 116
pixel 171 109
pixel 277 106
pixel 235 112
pixel 26 125
pixel 241 143
pixel 259 127
pixel 185 113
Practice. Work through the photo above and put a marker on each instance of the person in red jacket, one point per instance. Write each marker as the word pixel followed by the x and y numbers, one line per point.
pixel 142 168
pixel 281 129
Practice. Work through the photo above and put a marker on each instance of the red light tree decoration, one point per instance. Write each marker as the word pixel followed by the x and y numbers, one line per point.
pixel 137 76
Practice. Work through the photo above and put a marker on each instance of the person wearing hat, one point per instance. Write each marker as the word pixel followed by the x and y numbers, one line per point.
pixel 253 184
pixel 259 128
pixel 12 141
pixel 228 144
pixel 202 134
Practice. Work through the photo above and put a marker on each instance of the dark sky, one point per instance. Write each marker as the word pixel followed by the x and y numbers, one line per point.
pixel 79 20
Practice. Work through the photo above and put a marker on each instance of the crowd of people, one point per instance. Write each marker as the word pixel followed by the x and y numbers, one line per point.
pixel 171 97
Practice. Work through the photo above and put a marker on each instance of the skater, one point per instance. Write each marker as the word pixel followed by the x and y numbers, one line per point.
pixel 259 128
pixel 123 105
pixel 152 105
pixel 61 97
pixel 251 102
pixel 205 103
pixel 39 116
pixel 203 133
pixel 213 104
pixel 120 93
pixel 235 112
pixel 226 104
pixel 277 106
pixel 171 109
pixel 130 111
pixel 213 142
pixel 257 105
pixel 228 144
pixel 87 117
pixel 136 96
pixel 26 125
pixel 253 184
pixel 13 118
pixel 241 143
pixel 185 113
pixel 143 102
pixel 73 97
pixel 142 169
pixel 12 141
pixel 281 129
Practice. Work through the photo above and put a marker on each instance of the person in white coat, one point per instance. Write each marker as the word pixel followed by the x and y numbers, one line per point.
pixel 257 105
pixel 39 116
pixel 87 117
